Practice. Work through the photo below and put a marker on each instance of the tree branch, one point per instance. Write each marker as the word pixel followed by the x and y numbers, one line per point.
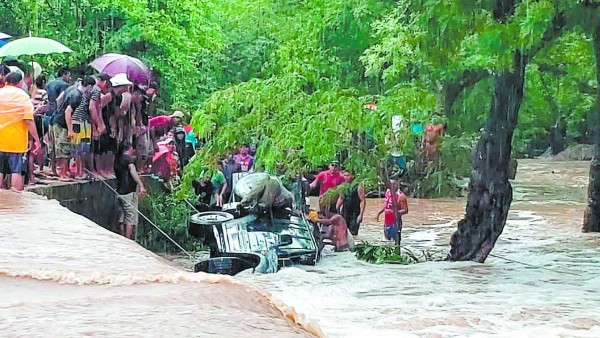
pixel 558 23
pixel 585 88
pixel 591 4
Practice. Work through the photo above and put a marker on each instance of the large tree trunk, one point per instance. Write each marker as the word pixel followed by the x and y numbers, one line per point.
pixel 490 193
pixel 591 219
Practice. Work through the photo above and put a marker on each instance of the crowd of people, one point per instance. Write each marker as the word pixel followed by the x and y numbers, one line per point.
pixel 106 126
pixel 97 126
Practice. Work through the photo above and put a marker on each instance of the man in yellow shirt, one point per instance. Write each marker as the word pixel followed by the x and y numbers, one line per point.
pixel 16 121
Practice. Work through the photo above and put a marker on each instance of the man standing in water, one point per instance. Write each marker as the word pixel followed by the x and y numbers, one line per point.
pixel 129 188
pixel 351 203
pixel 335 229
pixel 395 205
pixel 16 122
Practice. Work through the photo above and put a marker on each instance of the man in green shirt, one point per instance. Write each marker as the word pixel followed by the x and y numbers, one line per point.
pixel 219 184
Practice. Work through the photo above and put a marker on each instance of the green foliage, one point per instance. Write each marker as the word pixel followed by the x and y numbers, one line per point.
pixel 292 76
pixel 171 214
pixel 391 254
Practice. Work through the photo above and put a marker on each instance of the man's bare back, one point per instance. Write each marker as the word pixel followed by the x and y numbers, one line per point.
pixel 336 229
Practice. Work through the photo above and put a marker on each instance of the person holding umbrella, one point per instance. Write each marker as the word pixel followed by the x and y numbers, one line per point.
pixel 104 146
pixel 102 87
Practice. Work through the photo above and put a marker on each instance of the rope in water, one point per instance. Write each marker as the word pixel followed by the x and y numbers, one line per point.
pixel 512 261
pixel 534 266
pixel 144 216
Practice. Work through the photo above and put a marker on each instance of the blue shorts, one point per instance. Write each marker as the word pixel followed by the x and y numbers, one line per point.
pixel 11 163
pixel 390 231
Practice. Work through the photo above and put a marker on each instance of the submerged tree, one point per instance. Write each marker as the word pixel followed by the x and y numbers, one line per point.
pixel 591 221
pixel 490 192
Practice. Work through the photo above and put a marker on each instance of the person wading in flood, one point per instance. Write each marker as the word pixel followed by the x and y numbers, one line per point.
pixel 129 188
pixel 334 228
pixel 392 225
pixel 351 203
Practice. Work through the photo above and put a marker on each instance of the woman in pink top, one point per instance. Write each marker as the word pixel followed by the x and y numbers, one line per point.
pixel 160 125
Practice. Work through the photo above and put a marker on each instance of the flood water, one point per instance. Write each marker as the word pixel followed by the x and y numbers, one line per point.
pixel 61 275
pixel 348 298
pixel 64 276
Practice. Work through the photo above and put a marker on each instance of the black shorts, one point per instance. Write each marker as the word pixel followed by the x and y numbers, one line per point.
pixel 39 125
pixel 104 144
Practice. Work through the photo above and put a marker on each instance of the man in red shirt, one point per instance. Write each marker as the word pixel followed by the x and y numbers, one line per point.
pixel 328 179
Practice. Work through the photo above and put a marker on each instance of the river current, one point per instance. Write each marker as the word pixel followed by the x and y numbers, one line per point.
pixel 62 276
pixel 500 298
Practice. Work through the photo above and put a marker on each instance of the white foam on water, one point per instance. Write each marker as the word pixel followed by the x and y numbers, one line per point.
pixel 349 298
pixel 62 275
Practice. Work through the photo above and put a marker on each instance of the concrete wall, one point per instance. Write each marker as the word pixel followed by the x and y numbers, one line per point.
pixel 91 199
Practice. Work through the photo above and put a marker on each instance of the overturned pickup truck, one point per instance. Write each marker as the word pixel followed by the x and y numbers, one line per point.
pixel 261 231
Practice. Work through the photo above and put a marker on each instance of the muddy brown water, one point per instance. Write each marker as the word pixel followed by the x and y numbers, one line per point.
pixel 61 275
pixel 348 298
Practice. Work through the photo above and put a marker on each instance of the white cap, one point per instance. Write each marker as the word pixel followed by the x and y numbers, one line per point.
pixel 120 80
pixel 178 114
pixel 168 140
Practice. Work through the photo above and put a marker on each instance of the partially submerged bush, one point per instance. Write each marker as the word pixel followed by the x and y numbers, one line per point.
pixel 392 254
pixel 171 215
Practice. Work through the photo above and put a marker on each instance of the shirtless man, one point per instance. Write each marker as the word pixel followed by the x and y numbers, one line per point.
pixel 334 228
pixel 431 140
pixel 121 122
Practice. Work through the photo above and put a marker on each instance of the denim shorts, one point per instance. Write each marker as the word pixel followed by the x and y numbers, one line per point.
pixel 390 231
pixel 11 163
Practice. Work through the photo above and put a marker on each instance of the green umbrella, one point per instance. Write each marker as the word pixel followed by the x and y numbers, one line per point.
pixel 32 46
